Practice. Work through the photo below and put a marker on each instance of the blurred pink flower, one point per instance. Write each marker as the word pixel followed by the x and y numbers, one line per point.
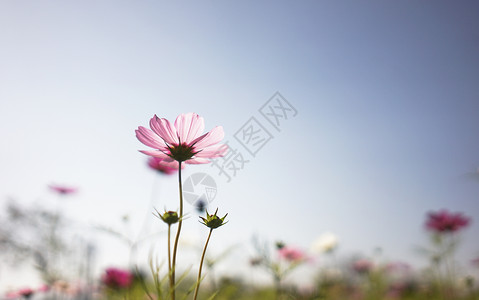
pixel 398 267
pixel 291 254
pixel 43 288
pixel 12 295
pixel 26 292
pixel 444 221
pixel 183 140
pixel 163 167
pixel 475 262
pixel 362 266
pixel 63 190
pixel 117 278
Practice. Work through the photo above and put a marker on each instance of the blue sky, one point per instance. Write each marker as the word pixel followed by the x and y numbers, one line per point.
pixel 386 94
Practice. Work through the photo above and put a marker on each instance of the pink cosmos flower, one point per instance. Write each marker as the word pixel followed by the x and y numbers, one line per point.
pixel 159 165
pixel 182 141
pixel 117 278
pixel 291 254
pixel 444 221
pixel 63 190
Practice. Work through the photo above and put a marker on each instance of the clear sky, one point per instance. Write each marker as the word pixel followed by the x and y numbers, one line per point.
pixel 386 93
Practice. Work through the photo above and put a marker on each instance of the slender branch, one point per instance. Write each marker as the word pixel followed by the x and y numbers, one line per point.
pixel 177 238
pixel 201 265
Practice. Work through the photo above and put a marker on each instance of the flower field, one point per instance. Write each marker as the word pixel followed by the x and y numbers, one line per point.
pixel 181 144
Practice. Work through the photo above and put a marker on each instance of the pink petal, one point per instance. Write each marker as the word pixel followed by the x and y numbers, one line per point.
pixel 155 153
pixel 182 124
pixel 213 137
pixel 189 126
pixel 197 161
pixel 196 128
pixel 149 138
pixel 174 164
pixel 218 150
pixel 168 159
pixel 164 129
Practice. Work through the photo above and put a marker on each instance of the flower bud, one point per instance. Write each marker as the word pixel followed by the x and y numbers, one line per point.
pixel 169 217
pixel 213 221
pixel 279 245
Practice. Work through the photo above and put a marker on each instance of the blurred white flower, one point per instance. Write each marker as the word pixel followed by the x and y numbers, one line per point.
pixel 326 243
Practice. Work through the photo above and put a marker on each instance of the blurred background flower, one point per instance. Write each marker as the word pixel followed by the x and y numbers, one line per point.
pixel 291 254
pixel 158 164
pixel 362 266
pixel 325 243
pixel 115 278
pixel 63 190
pixel 26 293
pixel 444 221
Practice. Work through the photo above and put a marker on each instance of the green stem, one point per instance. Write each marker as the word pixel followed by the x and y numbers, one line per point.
pixel 277 286
pixel 177 238
pixel 449 264
pixel 201 265
pixel 169 259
